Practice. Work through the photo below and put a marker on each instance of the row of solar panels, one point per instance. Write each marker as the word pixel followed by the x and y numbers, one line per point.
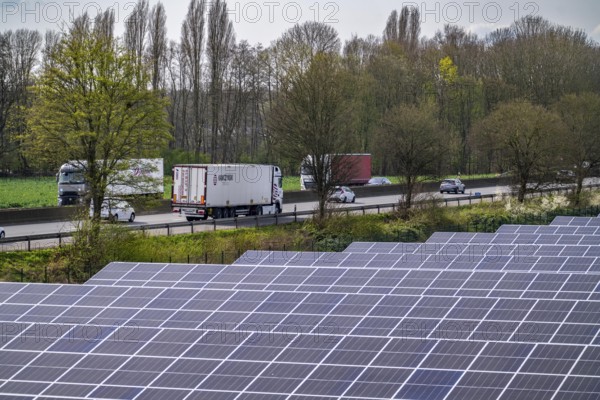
pixel 373 322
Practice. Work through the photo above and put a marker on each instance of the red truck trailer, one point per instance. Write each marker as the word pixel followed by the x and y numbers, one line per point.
pixel 346 169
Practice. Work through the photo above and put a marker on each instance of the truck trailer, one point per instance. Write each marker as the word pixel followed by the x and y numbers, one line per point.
pixel 225 191
pixel 135 177
pixel 344 169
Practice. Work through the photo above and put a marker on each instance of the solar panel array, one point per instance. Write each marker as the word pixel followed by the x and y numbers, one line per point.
pixel 511 315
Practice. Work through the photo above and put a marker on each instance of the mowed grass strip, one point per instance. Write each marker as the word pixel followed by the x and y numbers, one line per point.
pixel 28 192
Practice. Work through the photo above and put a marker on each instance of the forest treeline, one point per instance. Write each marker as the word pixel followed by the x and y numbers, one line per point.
pixel 224 93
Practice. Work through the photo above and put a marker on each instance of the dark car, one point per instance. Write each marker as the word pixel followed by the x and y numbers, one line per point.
pixel 2 233
pixel 565 175
pixel 452 186
pixel 378 181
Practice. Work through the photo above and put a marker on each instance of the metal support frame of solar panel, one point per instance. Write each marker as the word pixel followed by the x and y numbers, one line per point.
pixel 420 379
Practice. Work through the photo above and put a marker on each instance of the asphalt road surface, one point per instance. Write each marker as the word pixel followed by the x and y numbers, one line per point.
pixel 67 226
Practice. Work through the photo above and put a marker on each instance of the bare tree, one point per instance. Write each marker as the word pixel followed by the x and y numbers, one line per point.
pixel 104 24
pixel 157 44
pixel 415 141
pixel 581 147
pixel 404 28
pixel 220 43
pixel 136 28
pixel 192 46
pixel 391 27
pixel 527 135
pixel 412 37
pixel 312 117
pixel 7 94
pixel 299 44
pixel 176 94
pixel 359 52
pixel 542 61
pixel 19 52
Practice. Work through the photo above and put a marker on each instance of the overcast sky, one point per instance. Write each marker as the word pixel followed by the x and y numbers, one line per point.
pixel 265 20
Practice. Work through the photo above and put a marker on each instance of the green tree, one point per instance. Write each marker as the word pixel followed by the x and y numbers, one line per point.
pixel 92 105
pixel 581 150
pixel 414 142
pixel 527 136
pixel 311 117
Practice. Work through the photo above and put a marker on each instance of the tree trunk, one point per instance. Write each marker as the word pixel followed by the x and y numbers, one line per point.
pixel 578 189
pixel 409 192
pixel 522 191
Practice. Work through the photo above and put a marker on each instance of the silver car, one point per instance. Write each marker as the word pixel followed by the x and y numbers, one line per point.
pixel 452 186
pixel 380 180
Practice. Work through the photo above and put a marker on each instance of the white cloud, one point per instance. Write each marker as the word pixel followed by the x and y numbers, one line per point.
pixel 482 29
pixel 596 30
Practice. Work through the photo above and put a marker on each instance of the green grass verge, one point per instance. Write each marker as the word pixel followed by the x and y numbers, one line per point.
pixel 334 235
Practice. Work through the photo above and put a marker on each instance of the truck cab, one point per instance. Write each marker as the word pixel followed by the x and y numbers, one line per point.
pixel 72 186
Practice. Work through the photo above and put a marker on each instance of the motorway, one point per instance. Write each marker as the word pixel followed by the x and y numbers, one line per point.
pixel 141 220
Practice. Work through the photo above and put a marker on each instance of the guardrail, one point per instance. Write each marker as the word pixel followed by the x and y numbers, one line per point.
pixel 49 214
pixel 257 221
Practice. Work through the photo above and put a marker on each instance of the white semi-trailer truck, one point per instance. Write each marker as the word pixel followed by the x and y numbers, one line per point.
pixel 134 177
pixel 225 191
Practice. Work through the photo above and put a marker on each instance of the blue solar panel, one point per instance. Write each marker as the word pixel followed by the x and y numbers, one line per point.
pixel 507 315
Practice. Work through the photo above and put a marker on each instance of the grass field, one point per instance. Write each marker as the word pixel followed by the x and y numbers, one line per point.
pixel 42 191
pixel 28 192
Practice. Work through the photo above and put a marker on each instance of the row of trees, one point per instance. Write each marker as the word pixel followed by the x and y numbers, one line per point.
pixel 421 106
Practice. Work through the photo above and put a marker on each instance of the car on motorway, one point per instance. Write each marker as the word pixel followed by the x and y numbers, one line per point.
pixel 378 181
pixel 342 194
pixel 452 186
pixel 565 175
pixel 116 210
pixel 2 233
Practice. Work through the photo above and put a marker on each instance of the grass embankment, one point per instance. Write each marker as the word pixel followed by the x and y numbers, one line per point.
pixel 42 191
pixel 59 265
pixel 39 192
